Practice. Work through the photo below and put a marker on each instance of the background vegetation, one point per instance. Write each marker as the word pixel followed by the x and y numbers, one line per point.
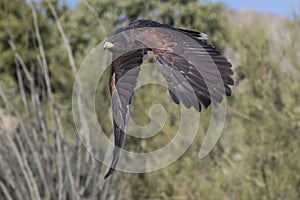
pixel 42 47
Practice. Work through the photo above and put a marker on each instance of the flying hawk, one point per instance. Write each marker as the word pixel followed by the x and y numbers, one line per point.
pixel 182 56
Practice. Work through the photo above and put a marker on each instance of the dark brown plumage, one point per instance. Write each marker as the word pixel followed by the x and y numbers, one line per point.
pixel 183 57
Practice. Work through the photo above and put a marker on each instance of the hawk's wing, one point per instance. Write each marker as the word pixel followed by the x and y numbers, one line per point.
pixel 123 77
pixel 194 70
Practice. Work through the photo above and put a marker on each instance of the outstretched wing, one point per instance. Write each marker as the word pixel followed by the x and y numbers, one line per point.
pixel 123 77
pixel 196 73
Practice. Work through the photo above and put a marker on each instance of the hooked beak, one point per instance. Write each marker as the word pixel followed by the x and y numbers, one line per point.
pixel 108 45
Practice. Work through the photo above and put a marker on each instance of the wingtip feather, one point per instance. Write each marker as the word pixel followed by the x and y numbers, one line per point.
pixel 109 172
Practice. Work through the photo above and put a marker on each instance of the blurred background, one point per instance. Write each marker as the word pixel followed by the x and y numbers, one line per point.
pixel 43 44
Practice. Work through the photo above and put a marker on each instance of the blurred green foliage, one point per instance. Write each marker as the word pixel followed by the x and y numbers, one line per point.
pixel 257 156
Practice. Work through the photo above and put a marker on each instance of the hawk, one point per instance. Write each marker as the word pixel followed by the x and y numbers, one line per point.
pixel 196 73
